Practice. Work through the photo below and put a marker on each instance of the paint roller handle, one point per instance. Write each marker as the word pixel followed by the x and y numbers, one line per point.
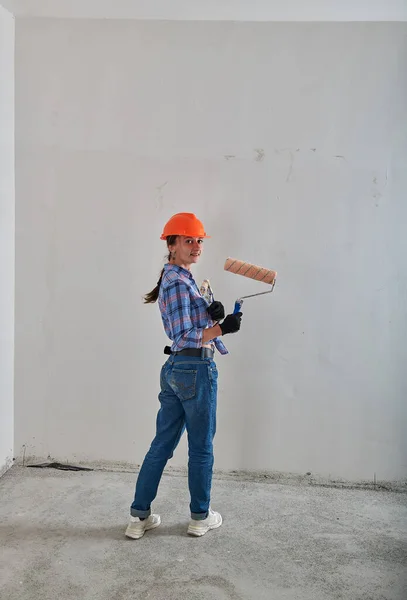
pixel 238 307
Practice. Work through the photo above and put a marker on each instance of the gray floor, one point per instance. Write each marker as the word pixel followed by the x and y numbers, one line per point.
pixel 62 538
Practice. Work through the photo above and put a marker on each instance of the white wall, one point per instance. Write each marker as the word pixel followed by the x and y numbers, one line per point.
pixel 6 238
pixel 215 10
pixel 289 141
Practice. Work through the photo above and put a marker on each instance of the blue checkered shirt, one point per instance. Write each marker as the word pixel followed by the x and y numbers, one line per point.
pixel 184 310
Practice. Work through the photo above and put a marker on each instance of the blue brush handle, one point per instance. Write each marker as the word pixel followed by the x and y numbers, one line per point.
pixel 238 307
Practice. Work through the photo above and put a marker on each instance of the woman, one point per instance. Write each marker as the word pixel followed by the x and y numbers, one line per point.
pixel 188 380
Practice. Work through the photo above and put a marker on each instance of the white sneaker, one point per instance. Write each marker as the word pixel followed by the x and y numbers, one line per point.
pixel 199 528
pixel 136 528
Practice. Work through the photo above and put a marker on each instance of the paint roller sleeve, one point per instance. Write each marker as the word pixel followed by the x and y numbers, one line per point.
pixel 239 267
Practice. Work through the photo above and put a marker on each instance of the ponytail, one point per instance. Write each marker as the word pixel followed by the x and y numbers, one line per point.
pixel 152 296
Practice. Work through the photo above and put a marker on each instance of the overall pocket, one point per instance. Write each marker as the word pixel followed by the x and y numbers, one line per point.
pixel 183 383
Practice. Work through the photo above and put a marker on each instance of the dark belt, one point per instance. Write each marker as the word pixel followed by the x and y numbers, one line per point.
pixel 207 352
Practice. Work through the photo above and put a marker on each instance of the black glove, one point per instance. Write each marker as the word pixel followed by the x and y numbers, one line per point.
pixel 216 311
pixel 231 324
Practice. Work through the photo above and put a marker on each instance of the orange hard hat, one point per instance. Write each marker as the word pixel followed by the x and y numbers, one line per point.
pixel 184 224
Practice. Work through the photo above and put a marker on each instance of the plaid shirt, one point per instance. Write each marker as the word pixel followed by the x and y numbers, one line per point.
pixel 184 310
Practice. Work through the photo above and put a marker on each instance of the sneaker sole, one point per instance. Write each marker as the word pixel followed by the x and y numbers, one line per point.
pixel 137 536
pixel 200 532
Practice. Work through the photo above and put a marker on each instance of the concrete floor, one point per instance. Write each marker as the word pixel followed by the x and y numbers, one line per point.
pixel 61 538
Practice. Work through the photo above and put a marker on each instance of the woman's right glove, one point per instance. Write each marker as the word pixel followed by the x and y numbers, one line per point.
pixel 231 324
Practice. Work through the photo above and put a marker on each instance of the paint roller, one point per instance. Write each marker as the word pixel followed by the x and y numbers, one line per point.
pixel 239 267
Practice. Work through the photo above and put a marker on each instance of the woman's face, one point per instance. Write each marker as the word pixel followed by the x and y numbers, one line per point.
pixel 187 251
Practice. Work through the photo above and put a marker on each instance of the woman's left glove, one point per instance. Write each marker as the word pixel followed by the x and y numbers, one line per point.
pixel 216 311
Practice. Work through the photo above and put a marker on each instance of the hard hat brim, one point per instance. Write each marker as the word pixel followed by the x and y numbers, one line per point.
pixel 164 237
